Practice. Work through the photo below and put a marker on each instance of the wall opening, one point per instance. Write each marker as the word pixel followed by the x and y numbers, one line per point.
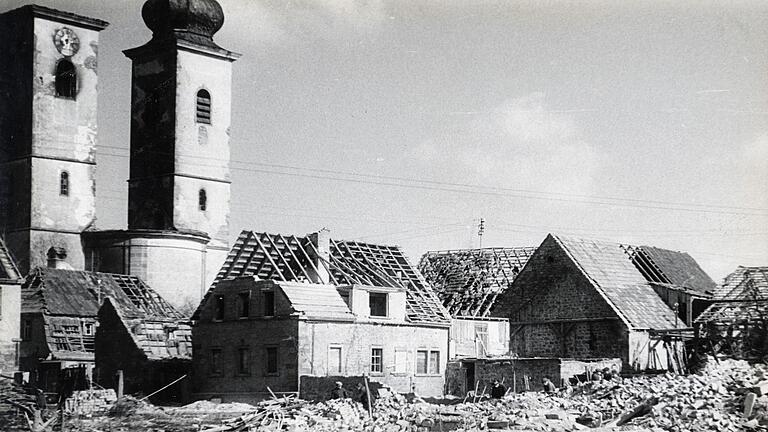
pixel 66 79
pixel 203 111
pixel 202 200
pixel 64 183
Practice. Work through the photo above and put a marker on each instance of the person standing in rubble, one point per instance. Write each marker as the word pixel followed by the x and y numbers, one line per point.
pixel 549 386
pixel 362 394
pixel 339 392
pixel 498 390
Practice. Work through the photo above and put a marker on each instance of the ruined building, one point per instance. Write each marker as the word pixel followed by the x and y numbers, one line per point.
pixel 10 312
pixel 178 211
pixel 298 313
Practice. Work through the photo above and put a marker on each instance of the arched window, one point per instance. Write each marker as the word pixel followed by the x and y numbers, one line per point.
pixel 64 183
pixel 66 79
pixel 202 200
pixel 203 112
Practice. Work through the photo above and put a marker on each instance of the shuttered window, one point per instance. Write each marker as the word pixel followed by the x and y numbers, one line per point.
pixel 203 111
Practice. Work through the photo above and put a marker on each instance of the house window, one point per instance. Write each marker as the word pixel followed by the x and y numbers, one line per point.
pixel 88 329
pixel 269 303
pixel 243 360
pixel 401 361
pixel 243 305
pixel 378 304
pixel 377 354
pixel 218 314
pixel 203 112
pixel 215 361
pixel 64 183
pixel 66 79
pixel 428 362
pixel 26 330
pixel 202 200
pixel 334 360
pixel 270 362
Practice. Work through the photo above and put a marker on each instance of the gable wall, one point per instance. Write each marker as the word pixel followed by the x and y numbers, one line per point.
pixel 548 291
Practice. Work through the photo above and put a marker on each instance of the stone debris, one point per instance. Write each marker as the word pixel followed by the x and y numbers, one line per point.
pixel 714 399
pixel 90 402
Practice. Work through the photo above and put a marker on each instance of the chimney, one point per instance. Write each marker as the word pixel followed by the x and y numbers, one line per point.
pixel 57 257
pixel 322 242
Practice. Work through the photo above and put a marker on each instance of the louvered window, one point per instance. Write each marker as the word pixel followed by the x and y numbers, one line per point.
pixel 202 200
pixel 64 183
pixel 203 112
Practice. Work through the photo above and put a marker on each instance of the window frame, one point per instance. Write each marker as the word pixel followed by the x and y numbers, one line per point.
pixel 200 107
pixel 377 294
pixel 244 305
pixel 64 183
pixel 268 306
pixel 202 200
pixel 372 369
pixel 215 355
pixel 340 371
pixel 243 368
pixel 430 353
pixel 219 308
pixel 267 349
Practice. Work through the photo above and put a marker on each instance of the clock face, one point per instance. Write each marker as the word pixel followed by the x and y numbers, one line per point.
pixel 66 41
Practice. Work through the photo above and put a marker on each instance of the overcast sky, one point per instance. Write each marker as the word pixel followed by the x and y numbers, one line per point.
pixel 404 122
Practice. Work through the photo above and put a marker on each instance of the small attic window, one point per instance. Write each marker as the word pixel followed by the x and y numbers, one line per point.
pixel 269 303
pixel 202 200
pixel 378 304
pixel 66 79
pixel 203 111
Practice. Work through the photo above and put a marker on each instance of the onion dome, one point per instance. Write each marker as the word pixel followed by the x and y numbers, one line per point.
pixel 193 20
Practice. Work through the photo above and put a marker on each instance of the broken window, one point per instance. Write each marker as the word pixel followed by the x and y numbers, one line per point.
pixel 215 361
pixel 378 304
pixel 334 360
pixel 66 79
pixel 243 305
pixel 218 314
pixel 377 355
pixel 203 112
pixel 269 303
pixel 243 358
pixel 202 200
pixel 64 183
pixel 270 362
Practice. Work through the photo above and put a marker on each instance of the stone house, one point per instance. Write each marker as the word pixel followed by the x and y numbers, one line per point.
pixel 585 299
pixel 151 349
pixel 10 311
pixel 298 313
pixel 59 311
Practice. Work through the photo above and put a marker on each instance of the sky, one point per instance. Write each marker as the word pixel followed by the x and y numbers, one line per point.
pixel 406 122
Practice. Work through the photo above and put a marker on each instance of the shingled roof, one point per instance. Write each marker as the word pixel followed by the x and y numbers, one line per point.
pixel 670 267
pixel 69 300
pixel 8 270
pixel 623 287
pixel 288 258
pixel 742 297
pixel 468 281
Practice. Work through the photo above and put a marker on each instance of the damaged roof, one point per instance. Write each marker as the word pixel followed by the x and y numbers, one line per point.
pixel 670 267
pixel 468 281
pixel 79 293
pixel 623 287
pixel 69 301
pixel 159 338
pixel 317 301
pixel 8 269
pixel 743 296
pixel 296 259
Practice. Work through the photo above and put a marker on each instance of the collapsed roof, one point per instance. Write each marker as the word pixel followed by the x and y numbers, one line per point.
pixel 8 270
pixel 743 297
pixel 298 259
pixel 468 281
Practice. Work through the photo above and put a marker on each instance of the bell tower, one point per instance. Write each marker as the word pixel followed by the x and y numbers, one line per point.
pixel 48 92
pixel 179 185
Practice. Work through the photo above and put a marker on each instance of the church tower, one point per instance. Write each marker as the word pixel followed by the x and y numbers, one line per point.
pixel 179 186
pixel 48 92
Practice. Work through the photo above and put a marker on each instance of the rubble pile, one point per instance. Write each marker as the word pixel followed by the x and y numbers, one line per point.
pixel 13 398
pixel 89 402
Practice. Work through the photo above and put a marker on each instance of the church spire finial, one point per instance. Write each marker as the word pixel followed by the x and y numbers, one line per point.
pixel 192 20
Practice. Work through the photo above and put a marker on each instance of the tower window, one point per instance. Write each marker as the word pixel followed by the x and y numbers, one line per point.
pixel 203 112
pixel 64 183
pixel 202 200
pixel 66 79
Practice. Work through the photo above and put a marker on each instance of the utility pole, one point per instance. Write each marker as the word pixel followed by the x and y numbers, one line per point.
pixel 481 230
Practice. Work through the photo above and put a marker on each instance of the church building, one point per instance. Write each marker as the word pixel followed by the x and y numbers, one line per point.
pixel 179 187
